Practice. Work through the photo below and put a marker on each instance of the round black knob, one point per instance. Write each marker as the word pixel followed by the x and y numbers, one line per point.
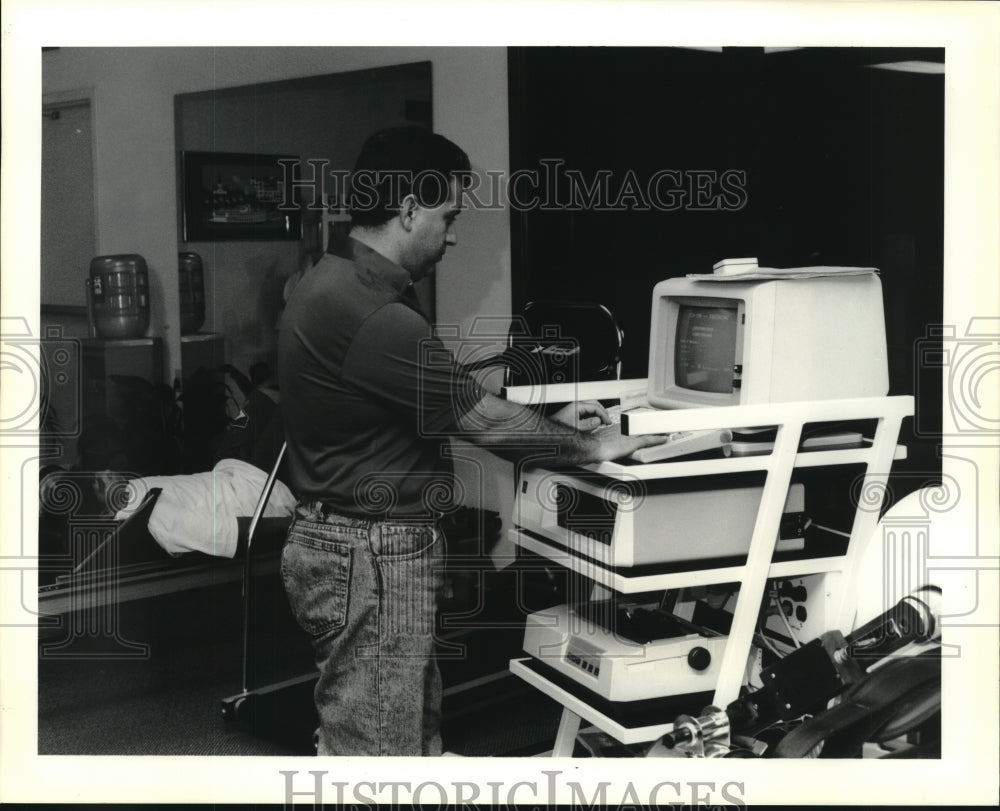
pixel 699 658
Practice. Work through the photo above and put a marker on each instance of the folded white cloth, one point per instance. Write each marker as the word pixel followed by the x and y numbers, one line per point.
pixel 198 512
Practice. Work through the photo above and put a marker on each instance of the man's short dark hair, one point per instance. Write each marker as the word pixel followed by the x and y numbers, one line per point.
pixel 400 161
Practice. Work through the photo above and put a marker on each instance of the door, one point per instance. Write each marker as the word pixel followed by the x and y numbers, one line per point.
pixel 68 222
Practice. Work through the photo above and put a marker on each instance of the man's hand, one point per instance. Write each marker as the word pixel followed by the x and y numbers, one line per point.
pixel 585 415
pixel 613 445
pixel 515 432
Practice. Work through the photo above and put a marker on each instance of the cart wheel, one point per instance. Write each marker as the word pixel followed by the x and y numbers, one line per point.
pixel 231 708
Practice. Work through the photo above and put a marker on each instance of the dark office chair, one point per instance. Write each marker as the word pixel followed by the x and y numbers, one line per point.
pixel 552 342
pixel 559 342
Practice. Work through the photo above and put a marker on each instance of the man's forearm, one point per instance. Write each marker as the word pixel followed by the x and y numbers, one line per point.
pixel 516 432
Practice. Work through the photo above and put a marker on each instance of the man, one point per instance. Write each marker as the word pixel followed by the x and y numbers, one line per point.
pixel 369 399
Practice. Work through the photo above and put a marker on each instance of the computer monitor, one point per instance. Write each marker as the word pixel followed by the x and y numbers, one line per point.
pixel 719 342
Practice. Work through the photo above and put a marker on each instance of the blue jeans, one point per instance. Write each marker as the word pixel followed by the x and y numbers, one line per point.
pixel 366 592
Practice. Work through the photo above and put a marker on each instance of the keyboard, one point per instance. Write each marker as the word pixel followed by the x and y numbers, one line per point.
pixel 683 443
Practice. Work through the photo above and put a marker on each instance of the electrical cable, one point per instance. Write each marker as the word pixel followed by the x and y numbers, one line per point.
pixel 784 619
pixel 832 531
pixel 765 642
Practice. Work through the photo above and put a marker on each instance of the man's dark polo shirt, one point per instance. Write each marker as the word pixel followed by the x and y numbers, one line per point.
pixel 366 392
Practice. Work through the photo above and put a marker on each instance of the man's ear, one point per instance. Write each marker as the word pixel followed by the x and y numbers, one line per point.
pixel 408 212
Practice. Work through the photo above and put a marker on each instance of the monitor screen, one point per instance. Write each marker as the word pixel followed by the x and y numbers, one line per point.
pixel 706 346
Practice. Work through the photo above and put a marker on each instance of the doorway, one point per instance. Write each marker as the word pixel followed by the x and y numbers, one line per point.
pixel 68 202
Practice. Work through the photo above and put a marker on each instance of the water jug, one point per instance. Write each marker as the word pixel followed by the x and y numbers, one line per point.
pixel 118 296
pixel 191 280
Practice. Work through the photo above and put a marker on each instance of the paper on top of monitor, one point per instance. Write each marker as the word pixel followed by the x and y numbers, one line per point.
pixel 755 273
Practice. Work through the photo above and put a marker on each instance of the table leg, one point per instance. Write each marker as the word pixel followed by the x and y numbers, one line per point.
pixel 569 725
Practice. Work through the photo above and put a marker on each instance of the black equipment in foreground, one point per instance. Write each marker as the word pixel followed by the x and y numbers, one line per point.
pixel 883 692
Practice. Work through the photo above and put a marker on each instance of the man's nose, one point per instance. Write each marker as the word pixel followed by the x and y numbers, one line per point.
pixel 451 238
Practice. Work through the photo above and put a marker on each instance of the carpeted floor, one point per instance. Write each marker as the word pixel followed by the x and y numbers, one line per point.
pixel 169 702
